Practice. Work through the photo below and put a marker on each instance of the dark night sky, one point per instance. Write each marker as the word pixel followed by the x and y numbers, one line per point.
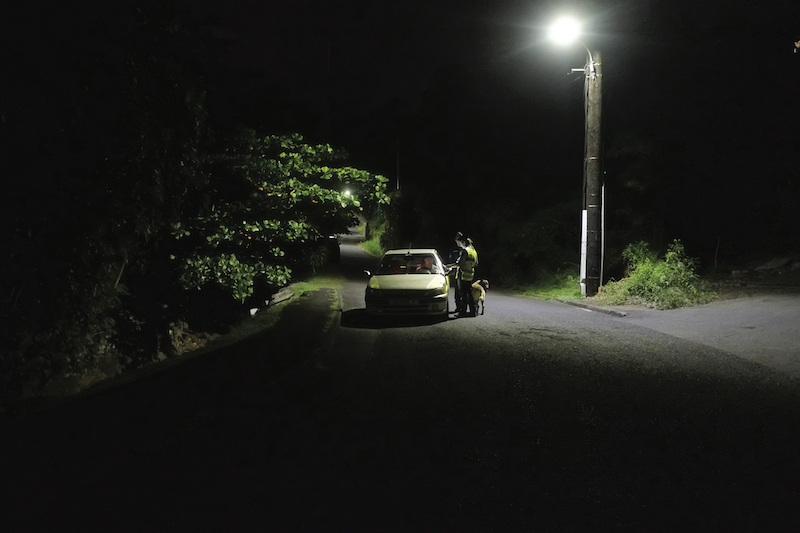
pixel 441 78
pixel 718 77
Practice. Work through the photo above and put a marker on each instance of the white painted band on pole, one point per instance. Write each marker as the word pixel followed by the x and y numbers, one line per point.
pixel 584 245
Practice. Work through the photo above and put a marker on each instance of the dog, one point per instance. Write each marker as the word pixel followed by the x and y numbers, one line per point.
pixel 479 294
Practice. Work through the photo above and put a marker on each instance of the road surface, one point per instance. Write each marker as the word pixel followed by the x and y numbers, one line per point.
pixel 538 416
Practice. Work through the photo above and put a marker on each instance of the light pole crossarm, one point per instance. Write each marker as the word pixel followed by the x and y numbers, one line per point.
pixel 591 65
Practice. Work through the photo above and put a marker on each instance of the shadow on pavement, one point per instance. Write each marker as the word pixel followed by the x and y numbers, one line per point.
pixel 358 318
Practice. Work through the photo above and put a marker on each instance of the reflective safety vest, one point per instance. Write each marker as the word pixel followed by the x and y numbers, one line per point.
pixel 467 264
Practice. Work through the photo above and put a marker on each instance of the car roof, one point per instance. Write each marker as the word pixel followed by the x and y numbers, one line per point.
pixel 412 251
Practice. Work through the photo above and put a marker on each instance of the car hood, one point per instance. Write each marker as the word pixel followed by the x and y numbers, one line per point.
pixel 408 281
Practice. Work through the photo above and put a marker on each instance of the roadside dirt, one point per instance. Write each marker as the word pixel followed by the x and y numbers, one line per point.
pixel 752 282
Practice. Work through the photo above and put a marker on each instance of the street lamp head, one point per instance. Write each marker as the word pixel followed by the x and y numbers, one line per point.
pixel 564 31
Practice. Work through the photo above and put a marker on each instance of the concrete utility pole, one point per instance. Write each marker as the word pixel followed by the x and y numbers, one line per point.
pixel 593 189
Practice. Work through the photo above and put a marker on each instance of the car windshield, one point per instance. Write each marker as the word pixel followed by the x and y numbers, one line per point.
pixel 408 264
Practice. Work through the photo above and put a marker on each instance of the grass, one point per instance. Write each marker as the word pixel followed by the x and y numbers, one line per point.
pixel 373 247
pixel 554 286
pixel 325 277
pixel 662 283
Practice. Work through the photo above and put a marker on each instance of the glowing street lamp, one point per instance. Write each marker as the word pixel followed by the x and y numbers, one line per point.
pixel 565 31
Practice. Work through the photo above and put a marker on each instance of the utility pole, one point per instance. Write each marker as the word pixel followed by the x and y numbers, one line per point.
pixel 593 189
pixel 565 31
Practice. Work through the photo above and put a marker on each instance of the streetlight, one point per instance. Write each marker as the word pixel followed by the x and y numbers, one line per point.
pixel 565 31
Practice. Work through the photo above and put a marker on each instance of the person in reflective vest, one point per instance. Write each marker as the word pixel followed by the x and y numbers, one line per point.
pixel 466 262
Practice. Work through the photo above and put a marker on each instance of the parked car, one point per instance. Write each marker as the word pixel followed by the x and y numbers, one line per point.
pixel 409 282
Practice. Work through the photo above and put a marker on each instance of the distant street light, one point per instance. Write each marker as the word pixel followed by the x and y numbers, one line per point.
pixel 565 31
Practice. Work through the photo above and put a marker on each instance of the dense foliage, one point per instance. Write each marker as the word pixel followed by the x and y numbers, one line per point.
pixel 135 202
pixel 275 198
pixel 665 283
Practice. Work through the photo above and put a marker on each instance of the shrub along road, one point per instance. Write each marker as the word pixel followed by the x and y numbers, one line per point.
pixel 536 416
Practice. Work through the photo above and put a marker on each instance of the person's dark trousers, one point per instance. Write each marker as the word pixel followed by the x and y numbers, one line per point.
pixel 460 301
pixel 467 299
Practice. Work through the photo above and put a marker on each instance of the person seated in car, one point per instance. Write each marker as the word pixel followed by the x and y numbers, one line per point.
pixel 425 266
pixel 395 267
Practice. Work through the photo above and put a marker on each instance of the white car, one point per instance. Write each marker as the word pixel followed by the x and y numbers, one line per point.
pixel 413 281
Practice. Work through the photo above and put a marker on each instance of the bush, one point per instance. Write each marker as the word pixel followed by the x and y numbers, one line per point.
pixel 374 235
pixel 663 284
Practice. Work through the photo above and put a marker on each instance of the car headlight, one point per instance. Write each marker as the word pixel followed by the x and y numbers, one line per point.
pixel 436 284
pixel 436 288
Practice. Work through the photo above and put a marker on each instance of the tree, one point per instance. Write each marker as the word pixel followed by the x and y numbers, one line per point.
pixel 123 180
pixel 275 197
pixel 115 169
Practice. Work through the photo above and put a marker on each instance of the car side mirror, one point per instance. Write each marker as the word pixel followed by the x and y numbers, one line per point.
pixel 368 273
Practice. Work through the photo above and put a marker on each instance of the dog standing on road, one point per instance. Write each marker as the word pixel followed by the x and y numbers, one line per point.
pixel 479 294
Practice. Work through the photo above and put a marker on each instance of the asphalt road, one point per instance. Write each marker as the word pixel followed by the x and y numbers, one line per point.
pixel 538 416
pixel 763 328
